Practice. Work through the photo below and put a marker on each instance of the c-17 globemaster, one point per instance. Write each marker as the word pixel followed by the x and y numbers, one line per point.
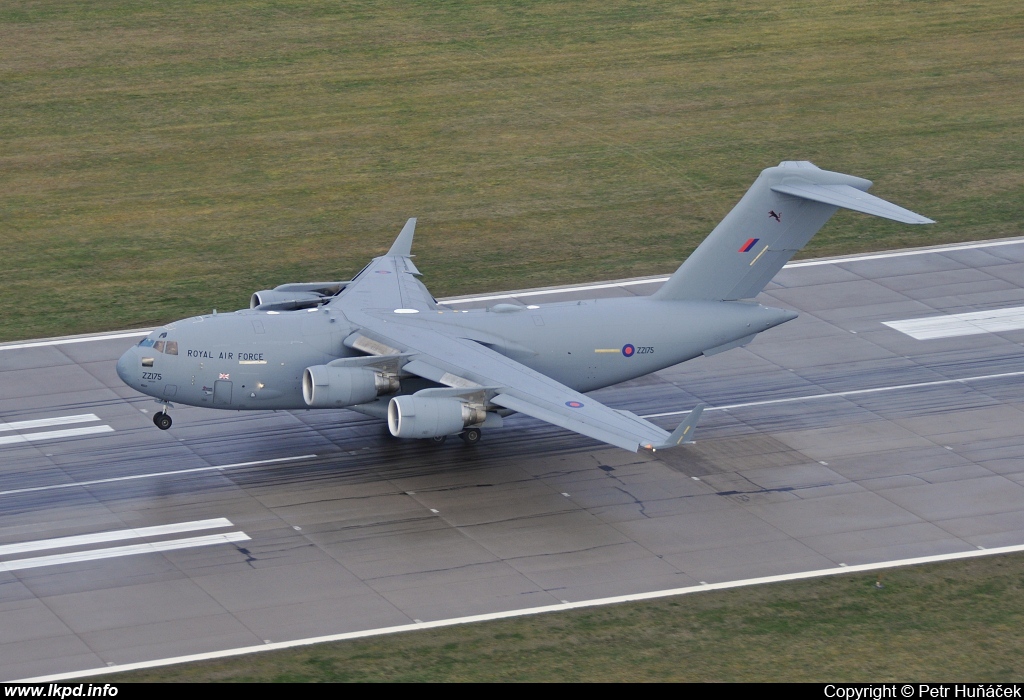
pixel 381 345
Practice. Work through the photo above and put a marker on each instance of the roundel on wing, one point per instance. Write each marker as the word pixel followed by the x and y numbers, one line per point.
pixel 628 350
pixel 574 404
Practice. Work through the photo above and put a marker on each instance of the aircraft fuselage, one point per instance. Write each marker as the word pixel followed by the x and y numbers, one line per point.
pixel 254 360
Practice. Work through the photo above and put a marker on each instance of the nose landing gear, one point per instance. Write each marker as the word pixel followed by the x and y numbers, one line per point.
pixel 162 419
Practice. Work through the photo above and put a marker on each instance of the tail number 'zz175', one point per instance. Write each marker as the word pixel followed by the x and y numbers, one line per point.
pixel 644 350
pixel 155 376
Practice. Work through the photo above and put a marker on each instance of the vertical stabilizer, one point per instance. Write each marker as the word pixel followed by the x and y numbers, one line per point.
pixel 777 216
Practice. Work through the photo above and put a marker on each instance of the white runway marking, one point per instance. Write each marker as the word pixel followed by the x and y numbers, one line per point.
pixel 77 484
pixel 69 341
pixel 125 551
pixel 904 253
pixel 113 536
pixel 841 394
pixel 559 290
pixel 820 573
pixel 955 325
pixel 55 434
pixel 49 422
pixel 801 263
pixel 582 288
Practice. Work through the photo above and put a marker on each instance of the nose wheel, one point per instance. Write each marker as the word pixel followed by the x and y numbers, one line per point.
pixel 162 420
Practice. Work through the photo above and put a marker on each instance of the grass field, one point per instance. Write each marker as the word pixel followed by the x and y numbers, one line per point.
pixel 161 159
pixel 958 621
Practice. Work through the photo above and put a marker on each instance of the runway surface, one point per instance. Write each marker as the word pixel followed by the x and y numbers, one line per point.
pixel 835 439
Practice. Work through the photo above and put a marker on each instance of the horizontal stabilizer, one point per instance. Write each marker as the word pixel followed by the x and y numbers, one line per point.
pixel 849 197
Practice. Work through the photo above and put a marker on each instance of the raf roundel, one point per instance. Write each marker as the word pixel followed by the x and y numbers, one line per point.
pixel 574 404
pixel 628 350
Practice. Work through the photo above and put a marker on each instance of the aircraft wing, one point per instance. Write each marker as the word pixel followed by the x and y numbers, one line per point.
pixel 465 364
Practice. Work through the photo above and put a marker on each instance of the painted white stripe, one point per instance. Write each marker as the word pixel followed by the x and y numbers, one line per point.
pixel 55 434
pixel 955 325
pixel 126 551
pixel 801 263
pixel 904 253
pixel 652 595
pixel 113 536
pixel 48 422
pixel 80 339
pixel 587 287
pixel 77 484
pixel 558 290
pixel 841 394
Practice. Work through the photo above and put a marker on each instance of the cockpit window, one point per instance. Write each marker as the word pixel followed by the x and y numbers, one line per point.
pixel 169 347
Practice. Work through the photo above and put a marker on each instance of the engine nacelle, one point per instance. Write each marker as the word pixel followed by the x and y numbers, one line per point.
pixel 425 417
pixel 336 387
pixel 273 300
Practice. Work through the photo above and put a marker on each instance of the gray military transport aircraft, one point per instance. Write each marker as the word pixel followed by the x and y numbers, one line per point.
pixel 381 345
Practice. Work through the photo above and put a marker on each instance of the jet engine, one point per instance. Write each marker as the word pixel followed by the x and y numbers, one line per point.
pixel 273 300
pixel 295 295
pixel 324 386
pixel 423 417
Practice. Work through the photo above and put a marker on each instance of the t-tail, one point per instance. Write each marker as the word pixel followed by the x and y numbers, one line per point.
pixel 777 216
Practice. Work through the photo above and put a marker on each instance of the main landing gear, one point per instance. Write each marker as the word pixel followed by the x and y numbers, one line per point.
pixel 470 436
pixel 162 419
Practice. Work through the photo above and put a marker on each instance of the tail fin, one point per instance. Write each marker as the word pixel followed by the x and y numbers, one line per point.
pixel 777 216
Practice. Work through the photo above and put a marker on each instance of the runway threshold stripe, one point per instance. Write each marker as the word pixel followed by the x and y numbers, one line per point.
pixel 77 484
pixel 125 551
pixel 48 422
pixel 113 536
pixel 55 434
pixel 819 573
pixel 843 394
pixel 956 325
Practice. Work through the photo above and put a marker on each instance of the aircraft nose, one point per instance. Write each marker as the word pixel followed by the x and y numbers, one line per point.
pixel 125 364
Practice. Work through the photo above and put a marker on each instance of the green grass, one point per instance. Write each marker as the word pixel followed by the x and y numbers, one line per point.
pixel 957 621
pixel 161 159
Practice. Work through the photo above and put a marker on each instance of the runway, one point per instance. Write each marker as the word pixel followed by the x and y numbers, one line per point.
pixel 855 434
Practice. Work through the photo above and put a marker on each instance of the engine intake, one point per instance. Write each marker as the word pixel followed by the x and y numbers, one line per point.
pixel 336 387
pixel 423 417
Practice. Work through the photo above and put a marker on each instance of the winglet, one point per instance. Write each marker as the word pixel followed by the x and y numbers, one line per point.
pixel 402 246
pixel 683 435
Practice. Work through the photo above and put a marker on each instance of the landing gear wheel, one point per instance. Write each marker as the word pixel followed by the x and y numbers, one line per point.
pixel 470 436
pixel 162 420
pixel 439 440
